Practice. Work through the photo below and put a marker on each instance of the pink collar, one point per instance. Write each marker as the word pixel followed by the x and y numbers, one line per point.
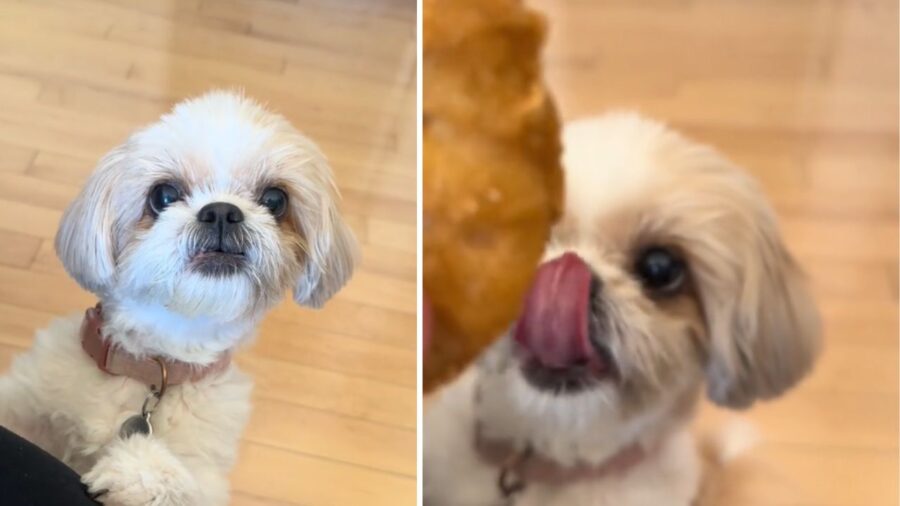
pixel 521 466
pixel 148 370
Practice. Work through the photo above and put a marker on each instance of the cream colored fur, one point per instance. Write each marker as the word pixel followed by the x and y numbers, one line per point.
pixel 221 147
pixel 744 327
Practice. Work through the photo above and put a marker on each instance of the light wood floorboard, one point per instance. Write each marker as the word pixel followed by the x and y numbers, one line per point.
pixel 335 408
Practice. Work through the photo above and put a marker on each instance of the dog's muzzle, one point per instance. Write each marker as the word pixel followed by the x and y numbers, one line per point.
pixel 554 332
pixel 220 249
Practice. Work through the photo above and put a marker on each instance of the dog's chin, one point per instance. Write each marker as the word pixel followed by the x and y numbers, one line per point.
pixel 218 263
pixel 576 379
pixel 217 288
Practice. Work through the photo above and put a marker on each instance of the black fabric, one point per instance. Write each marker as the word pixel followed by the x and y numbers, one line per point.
pixel 30 476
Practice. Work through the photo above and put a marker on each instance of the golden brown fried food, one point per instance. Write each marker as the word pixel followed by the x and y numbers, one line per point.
pixel 492 180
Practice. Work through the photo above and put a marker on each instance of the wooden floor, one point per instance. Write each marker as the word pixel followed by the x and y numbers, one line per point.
pixel 804 94
pixel 335 408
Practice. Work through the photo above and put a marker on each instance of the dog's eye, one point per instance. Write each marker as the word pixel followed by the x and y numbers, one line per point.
pixel 660 270
pixel 275 200
pixel 161 196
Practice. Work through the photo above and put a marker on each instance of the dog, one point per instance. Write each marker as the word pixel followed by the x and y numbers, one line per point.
pixel 666 275
pixel 187 233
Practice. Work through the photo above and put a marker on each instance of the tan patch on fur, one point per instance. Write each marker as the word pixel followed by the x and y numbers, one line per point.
pixel 146 222
pixel 293 232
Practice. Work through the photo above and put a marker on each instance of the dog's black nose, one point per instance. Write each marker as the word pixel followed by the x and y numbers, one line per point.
pixel 220 213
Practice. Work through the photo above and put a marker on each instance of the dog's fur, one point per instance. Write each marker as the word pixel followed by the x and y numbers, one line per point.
pixel 744 326
pixel 221 147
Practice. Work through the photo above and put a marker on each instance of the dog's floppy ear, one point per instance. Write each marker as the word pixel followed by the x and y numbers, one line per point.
pixel 765 338
pixel 85 241
pixel 331 250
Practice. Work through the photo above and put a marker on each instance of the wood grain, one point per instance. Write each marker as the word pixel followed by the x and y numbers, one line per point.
pixel 335 407
pixel 804 95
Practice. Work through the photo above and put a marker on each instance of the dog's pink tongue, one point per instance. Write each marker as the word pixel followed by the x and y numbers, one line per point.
pixel 554 323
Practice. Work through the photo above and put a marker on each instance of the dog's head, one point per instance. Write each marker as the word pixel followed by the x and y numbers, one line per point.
pixel 213 211
pixel 665 271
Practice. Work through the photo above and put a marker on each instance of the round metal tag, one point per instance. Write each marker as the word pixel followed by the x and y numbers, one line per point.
pixel 136 424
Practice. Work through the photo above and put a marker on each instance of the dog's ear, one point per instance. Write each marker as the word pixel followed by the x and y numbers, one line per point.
pixel 763 323
pixel 85 240
pixel 331 250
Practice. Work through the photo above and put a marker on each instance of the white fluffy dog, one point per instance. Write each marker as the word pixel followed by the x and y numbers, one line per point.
pixel 665 273
pixel 188 233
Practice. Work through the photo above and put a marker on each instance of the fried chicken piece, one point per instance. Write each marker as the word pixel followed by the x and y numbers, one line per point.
pixel 492 178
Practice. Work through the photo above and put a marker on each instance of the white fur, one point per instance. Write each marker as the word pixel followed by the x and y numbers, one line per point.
pixel 454 474
pixel 745 326
pixel 222 147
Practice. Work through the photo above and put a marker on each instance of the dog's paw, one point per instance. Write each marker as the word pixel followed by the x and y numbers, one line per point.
pixel 140 471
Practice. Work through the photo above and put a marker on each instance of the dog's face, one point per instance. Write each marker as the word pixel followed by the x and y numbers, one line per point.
pixel 666 270
pixel 213 211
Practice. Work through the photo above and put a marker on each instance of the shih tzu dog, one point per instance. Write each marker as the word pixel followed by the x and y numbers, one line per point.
pixel 666 273
pixel 187 233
